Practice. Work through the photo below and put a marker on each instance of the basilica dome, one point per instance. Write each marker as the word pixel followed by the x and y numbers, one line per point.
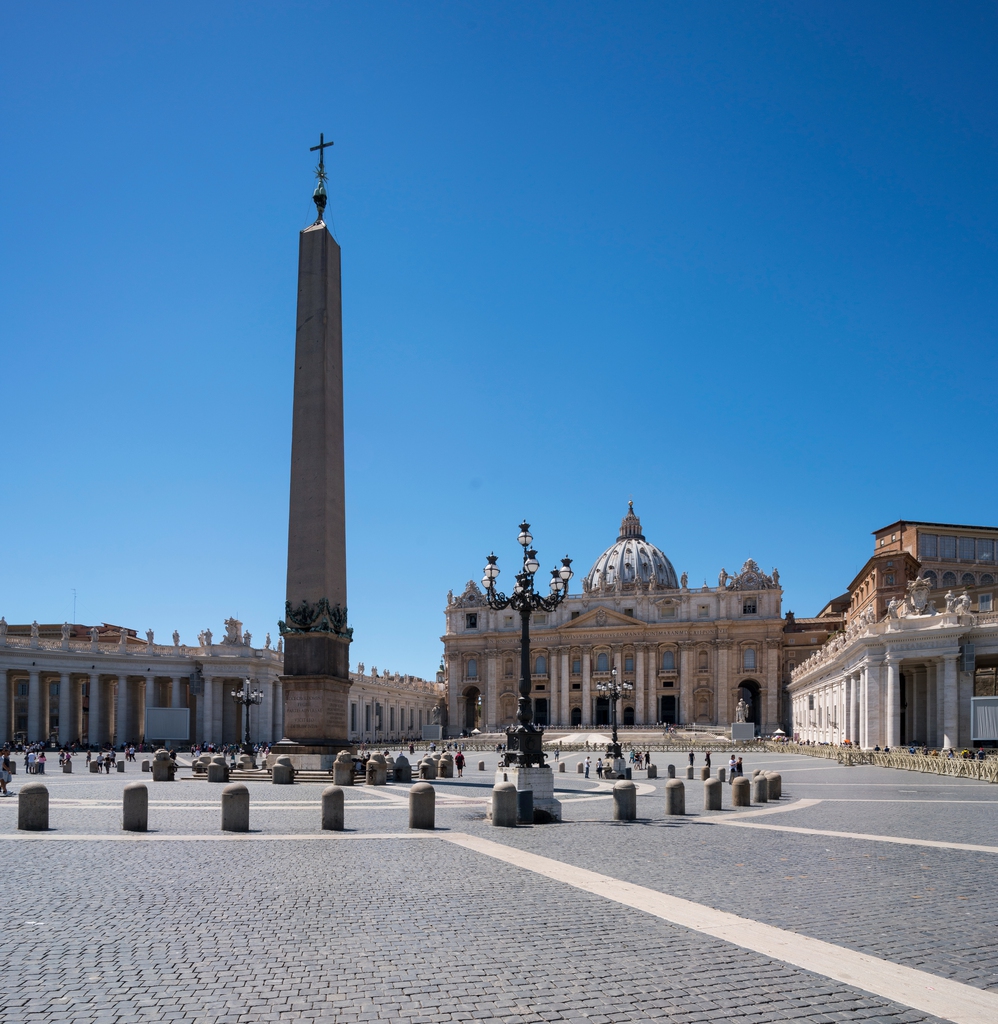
pixel 631 560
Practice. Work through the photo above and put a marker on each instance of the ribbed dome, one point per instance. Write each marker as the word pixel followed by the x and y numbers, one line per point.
pixel 630 560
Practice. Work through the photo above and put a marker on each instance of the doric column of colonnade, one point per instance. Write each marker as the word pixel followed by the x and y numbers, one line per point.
pixel 686 681
pixel 554 714
pixel 722 714
pixel 34 704
pixel 931 704
pixel 950 719
pixel 489 698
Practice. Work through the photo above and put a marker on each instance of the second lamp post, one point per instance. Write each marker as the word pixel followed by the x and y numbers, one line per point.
pixel 613 691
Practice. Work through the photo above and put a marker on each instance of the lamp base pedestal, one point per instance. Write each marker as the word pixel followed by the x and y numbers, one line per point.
pixel 539 779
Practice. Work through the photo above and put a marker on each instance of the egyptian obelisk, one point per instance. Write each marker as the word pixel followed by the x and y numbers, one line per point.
pixel 316 636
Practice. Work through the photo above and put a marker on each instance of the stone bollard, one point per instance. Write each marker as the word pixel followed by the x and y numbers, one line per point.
pixel 218 773
pixel 561 766
pixel 741 791
pixel 675 797
pixel 712 789
pixel 580 768
pixel 481 766
pixel 758 771
pixel 283 771
pixel 135 807
pixel 95 767
pixel 246 763
pixel 427 768
pixel 625 800
pixel 343 769
pixel 760 789
pixel 121 766
pixel 689 772
pixel 775 785
pixel 722 773
pixel 445 767
pixel 422 806
pixel 671 771
pixel 235 808
pixel 652 771
pixel 704 773
pixel 504 805
pixel 146 765
pixel 67 767
pixel 403 770
pixel 332 809
pixel 33 807
pixel 377 770
pixel 162 766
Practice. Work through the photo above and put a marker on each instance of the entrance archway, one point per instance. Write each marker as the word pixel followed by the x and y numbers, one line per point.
pixel 628 716
pixel 602 711
pixel 748 691
pixel 472 708
pixel 667 714
pixel 576 717
pixel 541 711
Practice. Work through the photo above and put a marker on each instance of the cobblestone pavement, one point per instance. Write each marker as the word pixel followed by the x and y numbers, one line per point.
pixel 396 929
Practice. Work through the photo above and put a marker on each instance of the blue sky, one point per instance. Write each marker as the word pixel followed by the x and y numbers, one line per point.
pixel 736 261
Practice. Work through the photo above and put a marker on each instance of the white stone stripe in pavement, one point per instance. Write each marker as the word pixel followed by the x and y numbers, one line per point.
pixel 951 1000
pixel 901 840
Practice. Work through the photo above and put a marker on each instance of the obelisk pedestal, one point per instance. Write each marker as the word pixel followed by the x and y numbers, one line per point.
pixel 316 636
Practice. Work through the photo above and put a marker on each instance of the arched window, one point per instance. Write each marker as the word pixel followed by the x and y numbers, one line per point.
pixel 471 671
pixel 748 659
pixel 932 578
pixel 987 579
pixel 669 660
pixel 541 665
pixel 949 579
pixel 508 668
pixel 702 662
pixel 602 662
pixel 968 579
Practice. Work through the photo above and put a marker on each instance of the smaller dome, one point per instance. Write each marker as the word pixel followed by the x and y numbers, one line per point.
pixel 631 560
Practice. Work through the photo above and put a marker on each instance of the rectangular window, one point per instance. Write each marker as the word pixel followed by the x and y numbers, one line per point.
pixel 391 719
pixel 967 549
pixel 471 620
pixel 22 690
pixel 367 718
pixel 576 666
pixel 927 546
pixel 541 618
pixel 749 606
pixel 629 611
pixel 53 689
pixel 668 611
pixel 947 547
pixel 703 611
pixel 353 717
pixel 576 686
pixel 985 551
pixel 629 663
pixel 575 615
pixel 420 719
pixel 984 603
pixel 889 580
pixel 810 702
pixel 540 686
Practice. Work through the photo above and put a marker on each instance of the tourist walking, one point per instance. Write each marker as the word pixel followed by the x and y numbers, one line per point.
pixel 738 767
pixel 706 758
pixel 5 773
pixel 588 764
pixel 459 764
pixel 732 768
pixel 599 768
pixel 691 758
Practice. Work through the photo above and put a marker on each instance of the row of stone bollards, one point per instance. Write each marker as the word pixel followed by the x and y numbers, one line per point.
pixel 33 807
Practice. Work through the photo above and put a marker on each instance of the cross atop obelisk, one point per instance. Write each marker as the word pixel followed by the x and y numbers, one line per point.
pixel 319 195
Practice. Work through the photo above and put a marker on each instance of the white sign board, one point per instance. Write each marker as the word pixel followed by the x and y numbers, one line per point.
pixel 168 723
pixel 433 732
pixel 983 718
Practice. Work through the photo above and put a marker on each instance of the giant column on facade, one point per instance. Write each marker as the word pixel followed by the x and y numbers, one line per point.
pixel 316 636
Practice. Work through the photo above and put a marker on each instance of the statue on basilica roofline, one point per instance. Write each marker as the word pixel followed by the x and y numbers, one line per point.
pixel 66 630
pixel 722 579
pixel 684 580
pixel 3 626
pixel 176 638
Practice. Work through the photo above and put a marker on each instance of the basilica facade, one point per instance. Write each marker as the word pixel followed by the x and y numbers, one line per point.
pixel 689 653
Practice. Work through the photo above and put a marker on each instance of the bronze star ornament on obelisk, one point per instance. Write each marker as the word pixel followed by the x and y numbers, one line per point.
pixel 315 631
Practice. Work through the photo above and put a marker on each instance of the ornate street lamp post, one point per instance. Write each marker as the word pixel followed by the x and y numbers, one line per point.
pixel 523 742
pixel 613 691
pixel 247 698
